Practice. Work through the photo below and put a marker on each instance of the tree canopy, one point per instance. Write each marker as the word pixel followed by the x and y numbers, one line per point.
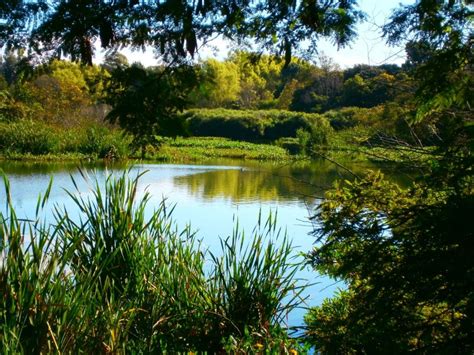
pixel 406 254
pixel 175 29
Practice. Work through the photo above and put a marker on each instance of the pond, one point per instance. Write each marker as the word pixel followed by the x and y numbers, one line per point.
pixel 210 197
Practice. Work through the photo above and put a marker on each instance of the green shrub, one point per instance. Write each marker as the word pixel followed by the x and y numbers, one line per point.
pixel 304 139
pixel 11 109
pixel 104 142
pixel 348 117
pixel 38 138
pixel 27 136
pixel 251 125
pixel 234 124
pixel 292 145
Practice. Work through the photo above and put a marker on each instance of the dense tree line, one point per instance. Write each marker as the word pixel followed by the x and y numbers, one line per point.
pixel 145 101
pixel 248 81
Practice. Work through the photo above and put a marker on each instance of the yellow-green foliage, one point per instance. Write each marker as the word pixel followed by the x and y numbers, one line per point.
pixel 204 148
pixel 220 85
pixel 63 92
pixel 28 137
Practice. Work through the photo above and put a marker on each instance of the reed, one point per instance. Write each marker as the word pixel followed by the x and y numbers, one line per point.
pixel 108 276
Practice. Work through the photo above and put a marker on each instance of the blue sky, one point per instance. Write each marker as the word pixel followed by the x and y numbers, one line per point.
pixel 368 48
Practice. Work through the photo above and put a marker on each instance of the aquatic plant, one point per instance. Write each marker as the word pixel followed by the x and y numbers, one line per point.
pixel 107 276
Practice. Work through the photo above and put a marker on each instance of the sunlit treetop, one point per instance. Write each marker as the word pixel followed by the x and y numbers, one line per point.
pixel 175 28
pixel 439 36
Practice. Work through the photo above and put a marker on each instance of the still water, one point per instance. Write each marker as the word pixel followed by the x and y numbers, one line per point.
pixel 210 198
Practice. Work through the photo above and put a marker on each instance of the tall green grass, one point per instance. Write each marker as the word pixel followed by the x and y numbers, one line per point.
pixel 38 138
pixel 114 278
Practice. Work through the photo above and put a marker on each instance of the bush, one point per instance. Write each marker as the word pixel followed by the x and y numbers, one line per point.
pixel 39 138
pixel 103 142
pixel 234 124
pixel 27 136
pixel 10 108
pixel 292 145
pixel 252 125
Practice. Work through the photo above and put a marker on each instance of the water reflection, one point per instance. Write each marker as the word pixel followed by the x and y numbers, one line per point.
pixel 249 182
pixel 303 181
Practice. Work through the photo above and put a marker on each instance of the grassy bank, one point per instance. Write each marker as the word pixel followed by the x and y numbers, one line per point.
pixel 193 149
pixel 33 140
pixel 277 135
pixel 117 281
pixel 206 148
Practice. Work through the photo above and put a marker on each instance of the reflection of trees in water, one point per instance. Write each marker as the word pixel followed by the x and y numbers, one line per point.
pixel 303 181
pixel 237 185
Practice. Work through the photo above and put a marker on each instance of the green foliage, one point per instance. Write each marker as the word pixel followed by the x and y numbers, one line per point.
pixel 174 28
pixel 327 326
pixel 205 148
pixel 443 38
pixel 368 92
pixel 406 256
pixel 30 275
pixel 118 280
pixel 260 78
pixel 252 81
pixel 38 138
pixel 145 102
pixel 104 142
pixel 292 145
pixel 28 137
pixel 252 125
pixel 248 282
pixel 11 108
pixel 219 84
pixel 315 138
pixel 62 92
pixel 324 86
pixel 115 60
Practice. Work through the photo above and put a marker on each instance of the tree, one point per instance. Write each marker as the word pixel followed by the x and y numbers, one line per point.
pixel 368 92
pixel 58 93
pixel 355 92
pixel 407 258
pixel 407 254
pixel 114 61
pixel 321 94
pixel 286 96
pixel 174 28
pixel 145 101
pixel 219 85
pixel 15 66
pixel 442 32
